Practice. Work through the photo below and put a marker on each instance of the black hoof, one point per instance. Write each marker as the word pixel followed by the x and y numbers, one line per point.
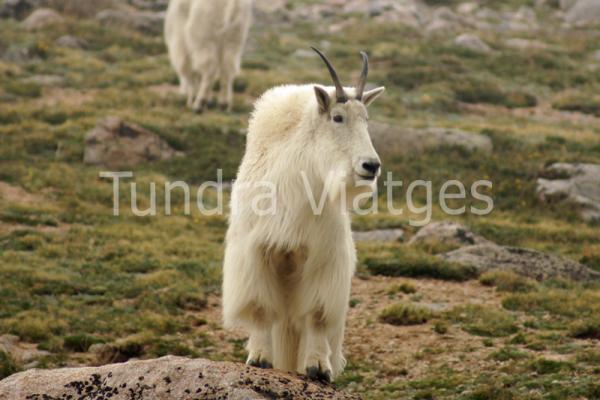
pixel 264 364
pixel 315 373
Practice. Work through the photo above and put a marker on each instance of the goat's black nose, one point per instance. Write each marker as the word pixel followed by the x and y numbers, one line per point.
pixel 371 166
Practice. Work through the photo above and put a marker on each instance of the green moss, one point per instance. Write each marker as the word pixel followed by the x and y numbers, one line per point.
pixel 508 353
pixel 578 102
pixel 545 366
pixel 405 314
pixel 410 263
pixel 80 342
pixel 588 328
pixel 404 287
pixel 506 281
pixel 24 89
pixel 483 321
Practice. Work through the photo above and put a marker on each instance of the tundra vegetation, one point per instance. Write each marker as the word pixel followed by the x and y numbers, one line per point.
pixel 87 287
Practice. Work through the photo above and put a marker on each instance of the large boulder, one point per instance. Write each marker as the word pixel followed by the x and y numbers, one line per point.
pixel 448 234
pixel 574 184
pixel 114 143
pixel 144 21
pixel 529 263
pixel 584 12
pixel 42 18
pixel 396 140
pixel 167 378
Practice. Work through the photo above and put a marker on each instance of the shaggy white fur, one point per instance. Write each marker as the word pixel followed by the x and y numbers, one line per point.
pixel 288 267
pixel 206 39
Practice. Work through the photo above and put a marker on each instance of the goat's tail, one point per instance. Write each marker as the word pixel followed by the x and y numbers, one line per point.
pixel 286 344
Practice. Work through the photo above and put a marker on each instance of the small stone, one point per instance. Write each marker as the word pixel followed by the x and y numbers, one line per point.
pixel 70 42
pixel 114 143
pixel 473 43
pixel 42 18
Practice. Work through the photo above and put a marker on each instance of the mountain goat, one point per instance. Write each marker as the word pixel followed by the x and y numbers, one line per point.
pixel 288 267
pixel 205 39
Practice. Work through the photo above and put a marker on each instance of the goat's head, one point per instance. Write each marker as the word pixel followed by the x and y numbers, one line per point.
pixel 342 127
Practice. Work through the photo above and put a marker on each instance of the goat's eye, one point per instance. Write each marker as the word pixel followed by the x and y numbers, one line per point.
pixel 338 118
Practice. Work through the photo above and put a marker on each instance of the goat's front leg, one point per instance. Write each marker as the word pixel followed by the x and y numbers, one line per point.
pixel 315 354
pixel 260 351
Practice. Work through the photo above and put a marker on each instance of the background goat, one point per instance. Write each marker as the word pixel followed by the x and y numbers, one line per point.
pixel 206 39
pixel 287 274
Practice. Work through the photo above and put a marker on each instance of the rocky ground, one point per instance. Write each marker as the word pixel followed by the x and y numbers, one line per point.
pixel 502 306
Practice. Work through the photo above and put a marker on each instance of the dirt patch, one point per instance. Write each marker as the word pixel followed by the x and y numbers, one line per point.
pixel 165 90
pixel 16 194
pixel 65 97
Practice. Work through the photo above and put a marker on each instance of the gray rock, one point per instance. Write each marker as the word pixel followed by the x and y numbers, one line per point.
pixel 473 43
pixel 379 235
pixel 530 263
pixel 42 18
pixel 144 21
pixel 114 143
pixel 447 233
pixel 574 184
pixel 71 42
pixel 584 12
pixel 395 140
pixel 567 4
pixel 167 378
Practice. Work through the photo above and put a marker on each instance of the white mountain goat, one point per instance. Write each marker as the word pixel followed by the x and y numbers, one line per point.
pixel 206 39
pixel 288 267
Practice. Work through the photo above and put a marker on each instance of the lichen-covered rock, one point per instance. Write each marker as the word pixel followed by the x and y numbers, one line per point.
pixel 575 184
pixel 42 18
pixel 396 140
pixel 529 263
pixel 114 143
pixel 447 233
pixel 167 378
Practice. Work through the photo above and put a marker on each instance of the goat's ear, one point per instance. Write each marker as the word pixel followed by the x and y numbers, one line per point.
pixel 323 99
pixel 370 96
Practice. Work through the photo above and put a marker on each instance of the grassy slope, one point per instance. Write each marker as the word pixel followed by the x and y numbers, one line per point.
pixel 73 275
